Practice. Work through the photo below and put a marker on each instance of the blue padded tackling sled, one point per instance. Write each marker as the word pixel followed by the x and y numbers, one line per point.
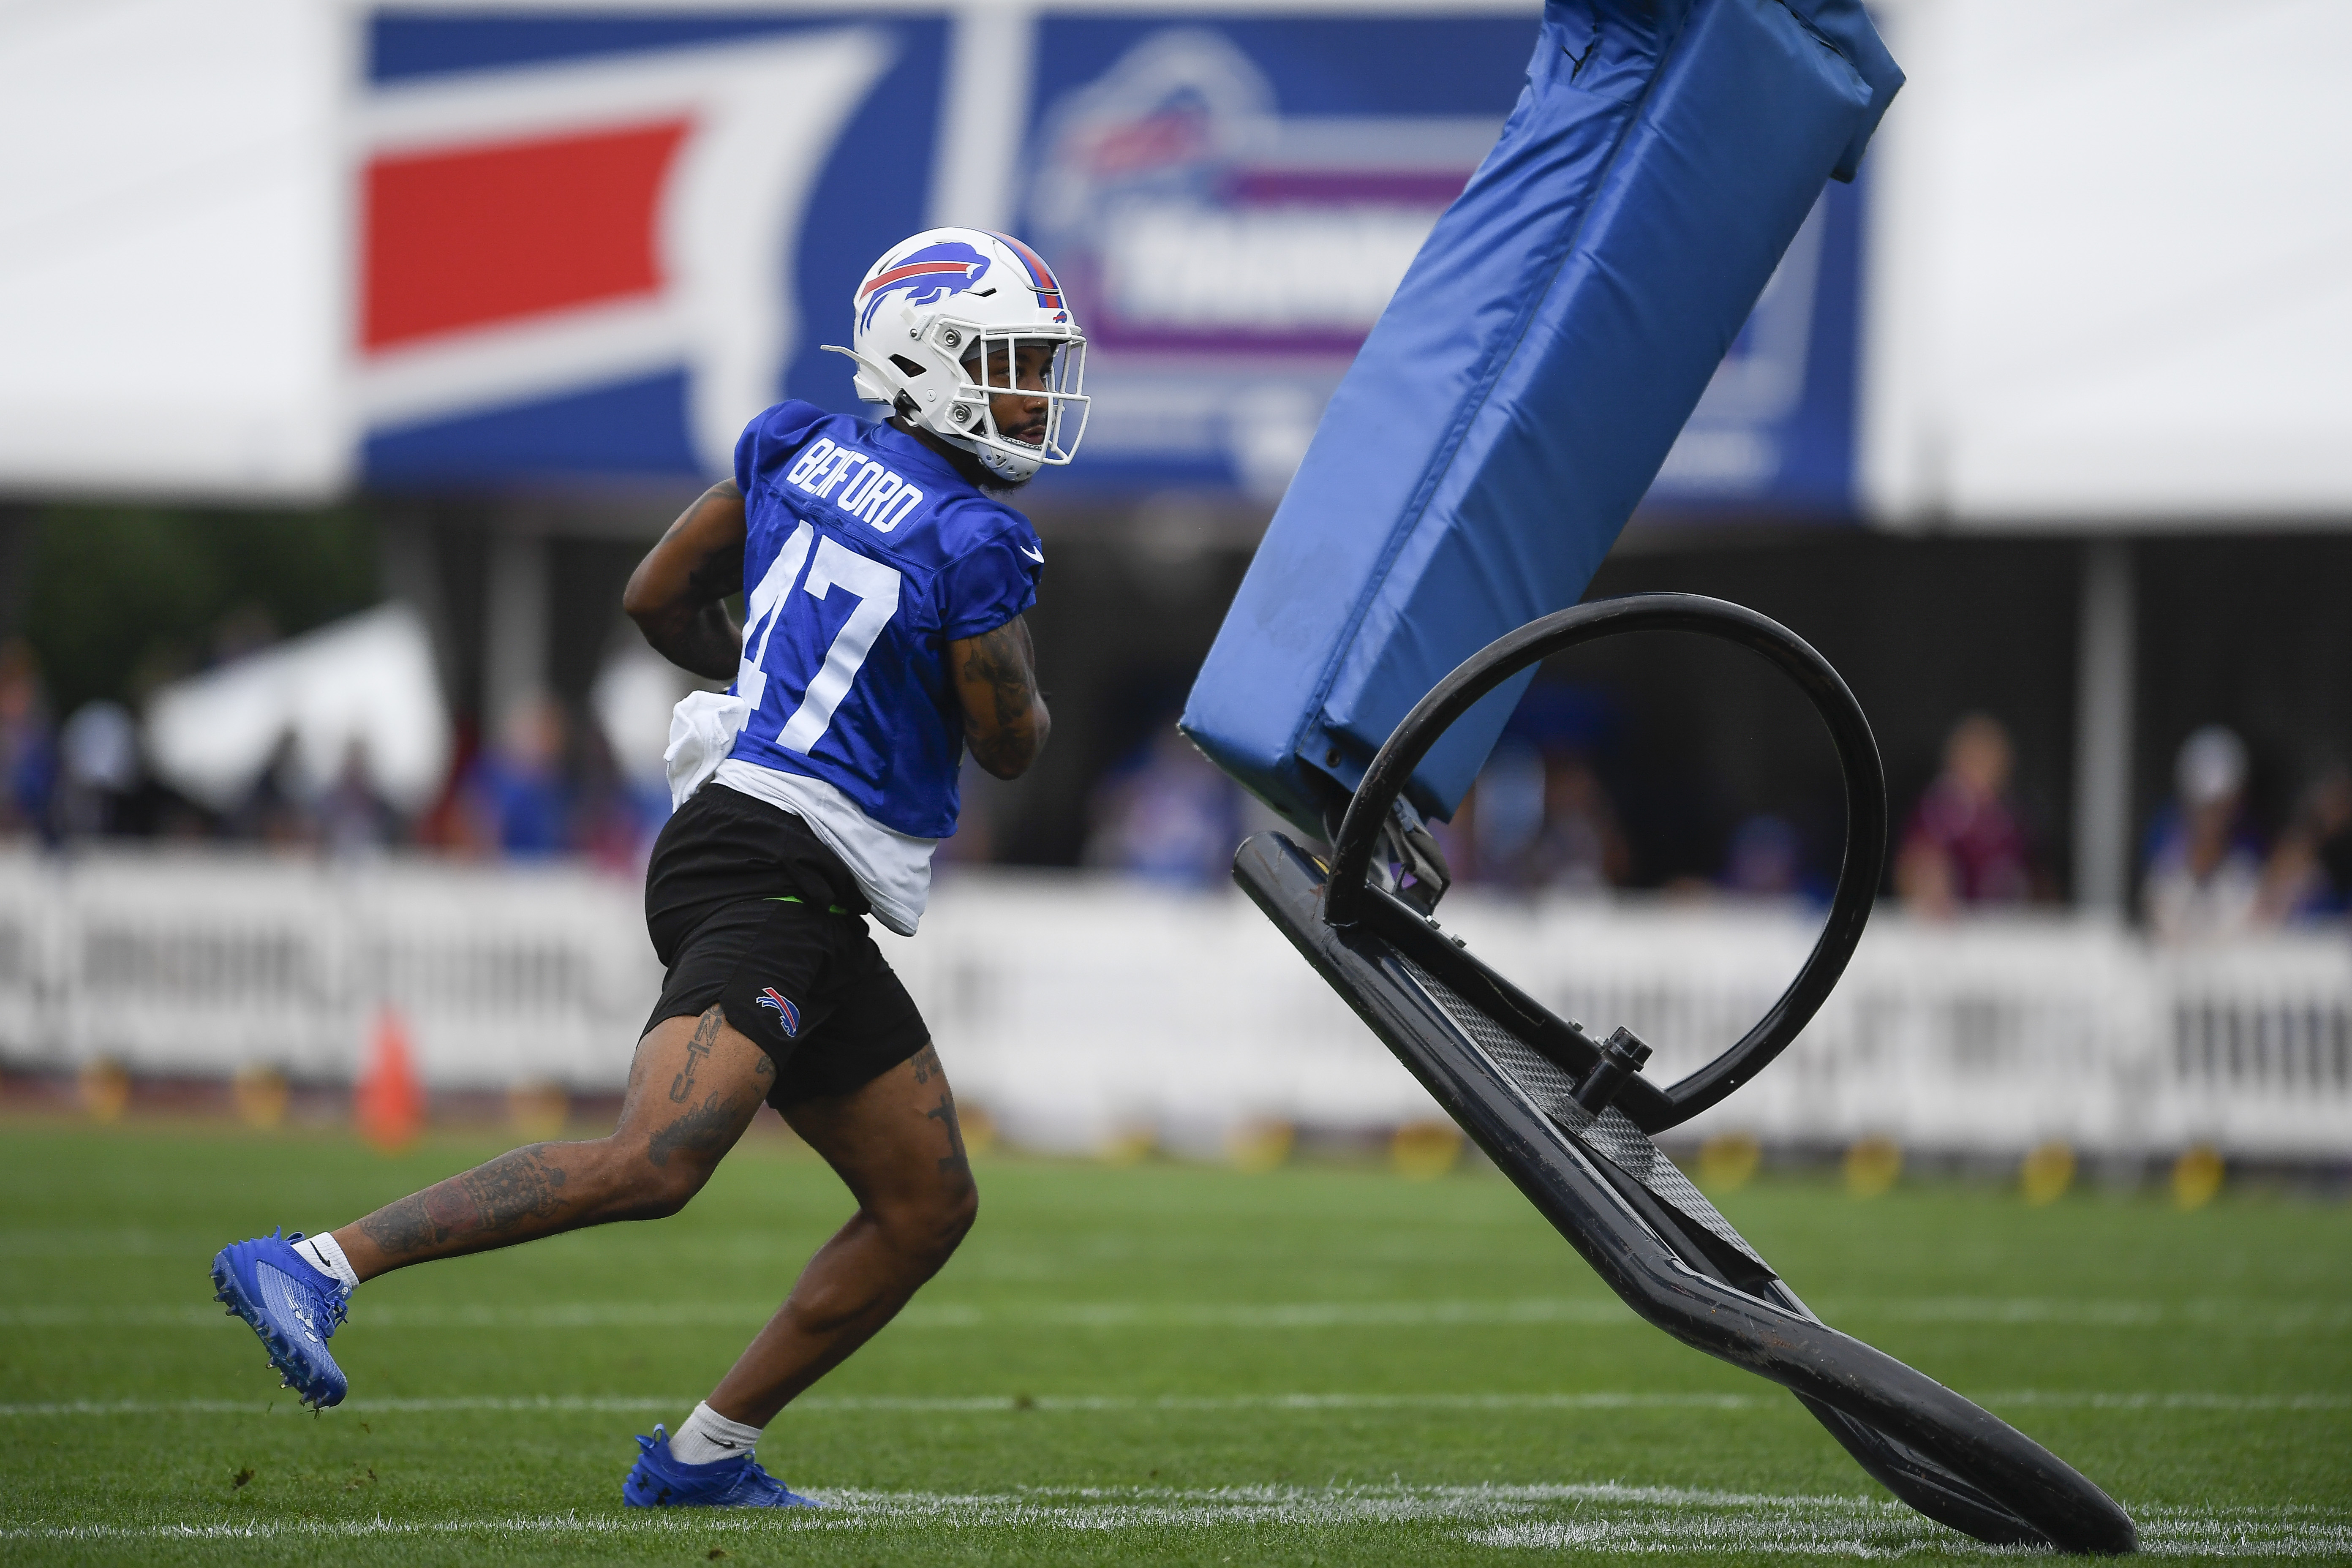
pixel 1525 383
pixel 1502 421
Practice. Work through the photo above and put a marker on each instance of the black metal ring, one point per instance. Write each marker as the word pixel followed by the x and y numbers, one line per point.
pixel 1865 793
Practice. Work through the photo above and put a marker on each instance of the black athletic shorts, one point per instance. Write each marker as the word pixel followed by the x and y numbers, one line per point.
pixel 750 910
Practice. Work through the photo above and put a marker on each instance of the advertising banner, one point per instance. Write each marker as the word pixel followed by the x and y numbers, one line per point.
pixel 600 242
pixel 442 247
pixel 596 243
pixel 276 250
pixel 1233 200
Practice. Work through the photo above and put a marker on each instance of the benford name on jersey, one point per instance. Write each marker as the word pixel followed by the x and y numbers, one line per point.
pixel 873 494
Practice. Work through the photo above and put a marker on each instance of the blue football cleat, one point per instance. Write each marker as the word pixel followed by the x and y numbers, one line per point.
pixel 657 1480
pixel 293 1307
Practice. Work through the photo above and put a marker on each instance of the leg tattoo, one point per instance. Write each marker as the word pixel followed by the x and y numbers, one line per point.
pixel 697 1132
pixel 698 1050
pixel 955 1160
pixel 485 1201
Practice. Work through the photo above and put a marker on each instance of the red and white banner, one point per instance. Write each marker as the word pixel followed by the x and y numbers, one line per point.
pixel 577 222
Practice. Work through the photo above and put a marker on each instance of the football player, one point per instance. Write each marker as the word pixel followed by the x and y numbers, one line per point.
pixel 884 580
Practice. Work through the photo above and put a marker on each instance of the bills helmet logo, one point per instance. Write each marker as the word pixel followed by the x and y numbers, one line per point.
pixel 786 1014
pixel 925 276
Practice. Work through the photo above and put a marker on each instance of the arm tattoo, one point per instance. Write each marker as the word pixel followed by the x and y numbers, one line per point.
pixel 716 577
pixel 926 1063
pixel 706 640
pixel 1000 662
pixel 485 1201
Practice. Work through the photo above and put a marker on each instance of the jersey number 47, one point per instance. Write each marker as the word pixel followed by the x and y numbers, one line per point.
pixel 875 587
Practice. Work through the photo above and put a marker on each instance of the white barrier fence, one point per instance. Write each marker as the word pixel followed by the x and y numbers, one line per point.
pixel 1078 1010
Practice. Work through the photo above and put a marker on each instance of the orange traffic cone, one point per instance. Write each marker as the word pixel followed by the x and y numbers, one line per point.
pixel 388 1103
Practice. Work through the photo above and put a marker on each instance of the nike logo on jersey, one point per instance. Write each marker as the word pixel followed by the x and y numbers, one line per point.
pixel 1037 555
pixel 855 483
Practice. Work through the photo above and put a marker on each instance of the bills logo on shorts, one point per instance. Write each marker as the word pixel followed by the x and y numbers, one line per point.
pixel 786 1014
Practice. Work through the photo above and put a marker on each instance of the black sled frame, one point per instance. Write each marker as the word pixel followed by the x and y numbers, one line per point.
pixel 1569 1119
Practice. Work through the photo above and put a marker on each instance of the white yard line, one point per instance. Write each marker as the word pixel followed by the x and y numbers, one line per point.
pixel 1596 1519
pixel 1010 1403
pixel 2236 1317
pixel 2248 1317
pixel 2076 1399
pixel 999 1403
pixel 920 1315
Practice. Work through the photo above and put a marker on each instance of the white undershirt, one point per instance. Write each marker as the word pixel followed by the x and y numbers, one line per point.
pixel 893 869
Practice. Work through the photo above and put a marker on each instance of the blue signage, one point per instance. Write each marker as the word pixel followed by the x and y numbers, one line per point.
pixel 1233 202
pixel 594 243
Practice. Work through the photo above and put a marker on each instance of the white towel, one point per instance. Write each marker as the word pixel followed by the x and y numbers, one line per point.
pixel 702 730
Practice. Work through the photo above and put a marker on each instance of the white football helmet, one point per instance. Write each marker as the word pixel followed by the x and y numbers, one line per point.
pixel 938 322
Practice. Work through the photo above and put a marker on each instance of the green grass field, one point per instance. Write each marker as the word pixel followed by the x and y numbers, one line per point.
pixel 1152 1365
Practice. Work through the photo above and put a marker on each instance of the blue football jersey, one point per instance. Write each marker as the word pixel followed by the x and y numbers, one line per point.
pixel 867 554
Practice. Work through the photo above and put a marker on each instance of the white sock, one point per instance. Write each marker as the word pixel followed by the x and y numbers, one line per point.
pixel 705 1437
pixel 323 1253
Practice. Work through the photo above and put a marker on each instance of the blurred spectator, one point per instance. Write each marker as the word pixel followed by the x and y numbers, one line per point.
pixel 617 817
pixel 28 752
pixel 515 798
pixel 99 752
pixel 248 628
pixel 277 811
pixel 354 820
pixel 627 791
pixel 1767 862
pixel 2204 871
pixel 446 823
pixel 631 699
pixel 2310 872
pixel 1505 816
pixel 1173 818
pixel 1581 847
pixel 1536 818
pixel 1964 846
